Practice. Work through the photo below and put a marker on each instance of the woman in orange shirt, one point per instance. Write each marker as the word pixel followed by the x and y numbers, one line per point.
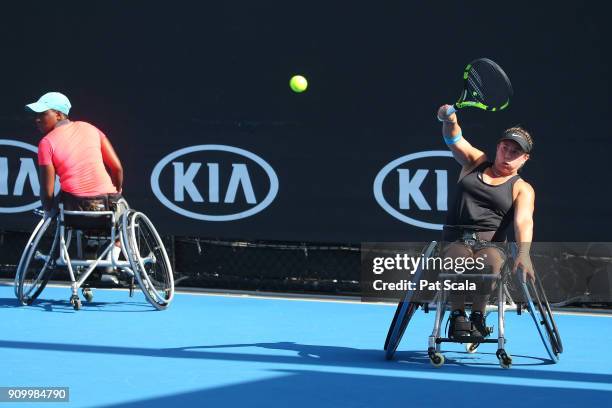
pixel 77 152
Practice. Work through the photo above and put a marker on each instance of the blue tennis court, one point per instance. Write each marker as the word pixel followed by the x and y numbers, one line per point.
pixel 228 350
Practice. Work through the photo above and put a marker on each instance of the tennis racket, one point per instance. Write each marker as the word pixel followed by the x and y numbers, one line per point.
pixel 485 86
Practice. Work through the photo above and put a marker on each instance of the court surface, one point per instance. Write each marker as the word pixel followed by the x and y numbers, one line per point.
pixel 213 351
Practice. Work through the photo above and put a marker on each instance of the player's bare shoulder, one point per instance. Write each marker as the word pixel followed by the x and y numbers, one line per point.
pixel 524 189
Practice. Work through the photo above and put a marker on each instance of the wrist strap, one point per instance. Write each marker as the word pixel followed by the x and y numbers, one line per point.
pixel 449 140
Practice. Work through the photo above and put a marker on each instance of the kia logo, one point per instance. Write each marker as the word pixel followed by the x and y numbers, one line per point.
pixel 19 185
pixel 207 182
pixel 407 184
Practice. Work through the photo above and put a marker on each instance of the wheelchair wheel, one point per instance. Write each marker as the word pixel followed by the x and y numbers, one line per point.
pixel 397 312
pixel 540 311
pixel 120 207
pixel 405 310
pixel 148 257
pixel 37 261
pixel 24 253
pixel 548 312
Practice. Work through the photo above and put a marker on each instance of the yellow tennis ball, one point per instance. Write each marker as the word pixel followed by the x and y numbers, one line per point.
pixel 298 83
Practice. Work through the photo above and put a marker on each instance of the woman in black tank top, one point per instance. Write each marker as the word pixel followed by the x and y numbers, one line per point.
pixel 491 200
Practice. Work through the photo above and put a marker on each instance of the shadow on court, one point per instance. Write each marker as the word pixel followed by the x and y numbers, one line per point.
pixel 64 306
pixel 326 356
pixel 304 388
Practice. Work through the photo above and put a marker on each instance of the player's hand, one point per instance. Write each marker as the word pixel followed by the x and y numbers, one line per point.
pixel 444 117
pixel 49 213
pixel 523 262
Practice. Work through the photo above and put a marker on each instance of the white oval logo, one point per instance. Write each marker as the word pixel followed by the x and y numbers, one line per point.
pixel 411 184
pixel 240 179
pixel 27 174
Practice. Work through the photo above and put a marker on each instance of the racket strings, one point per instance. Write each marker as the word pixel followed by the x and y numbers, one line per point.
pixel 488 84
pixel 474 75
pixel 475 89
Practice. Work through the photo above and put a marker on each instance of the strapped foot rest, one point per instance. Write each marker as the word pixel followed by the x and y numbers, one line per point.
pixel 466 339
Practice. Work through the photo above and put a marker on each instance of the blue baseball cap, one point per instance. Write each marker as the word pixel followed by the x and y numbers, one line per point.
pixel 51 100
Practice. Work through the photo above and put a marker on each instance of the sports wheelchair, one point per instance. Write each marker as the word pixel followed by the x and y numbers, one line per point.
pixel 63 233
pixel 533 300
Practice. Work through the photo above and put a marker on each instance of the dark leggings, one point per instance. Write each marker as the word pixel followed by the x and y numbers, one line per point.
pixel 491 252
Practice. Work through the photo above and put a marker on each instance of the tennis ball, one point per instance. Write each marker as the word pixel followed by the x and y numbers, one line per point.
pixel 298 83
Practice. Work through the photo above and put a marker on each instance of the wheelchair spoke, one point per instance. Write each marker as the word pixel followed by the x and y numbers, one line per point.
pixel 149 260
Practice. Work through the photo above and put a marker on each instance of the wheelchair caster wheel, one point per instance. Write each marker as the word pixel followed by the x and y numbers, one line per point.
pixel 87 294
pixel 436 359
pixel 471 347
pixel 505 360
pixel 76 302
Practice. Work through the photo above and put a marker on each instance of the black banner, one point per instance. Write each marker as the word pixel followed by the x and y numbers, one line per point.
pixel 214 143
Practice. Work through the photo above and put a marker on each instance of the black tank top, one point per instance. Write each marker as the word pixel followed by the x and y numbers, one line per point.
pixel 481 206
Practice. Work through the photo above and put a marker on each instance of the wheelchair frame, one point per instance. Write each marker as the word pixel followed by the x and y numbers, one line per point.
pixel 535 303
pixel 126 229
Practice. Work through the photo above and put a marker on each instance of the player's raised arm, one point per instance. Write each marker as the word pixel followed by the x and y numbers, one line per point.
pixel 463 151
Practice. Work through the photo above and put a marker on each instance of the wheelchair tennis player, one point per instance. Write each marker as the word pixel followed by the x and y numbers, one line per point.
pixel 88 208
pixel 79 154
pixel 491 198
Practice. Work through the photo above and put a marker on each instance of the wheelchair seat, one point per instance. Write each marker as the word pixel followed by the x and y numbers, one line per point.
pixel 89 220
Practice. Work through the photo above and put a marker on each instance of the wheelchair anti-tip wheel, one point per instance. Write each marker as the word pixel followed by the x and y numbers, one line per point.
pixel 540 311
pixel 87 294
pixel 148 258
pixel 436 359
pixel 505 360
pixel 37 261
pixel 75 302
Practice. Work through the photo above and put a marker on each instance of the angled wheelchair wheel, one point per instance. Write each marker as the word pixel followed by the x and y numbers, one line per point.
pixel 148 258
pixel 37 261
pixel 24 253
pixel 398 311
pixel 548 312
pixel 405 310
pixel 540 311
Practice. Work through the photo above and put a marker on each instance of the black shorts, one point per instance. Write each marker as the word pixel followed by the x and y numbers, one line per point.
pixel 106 202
